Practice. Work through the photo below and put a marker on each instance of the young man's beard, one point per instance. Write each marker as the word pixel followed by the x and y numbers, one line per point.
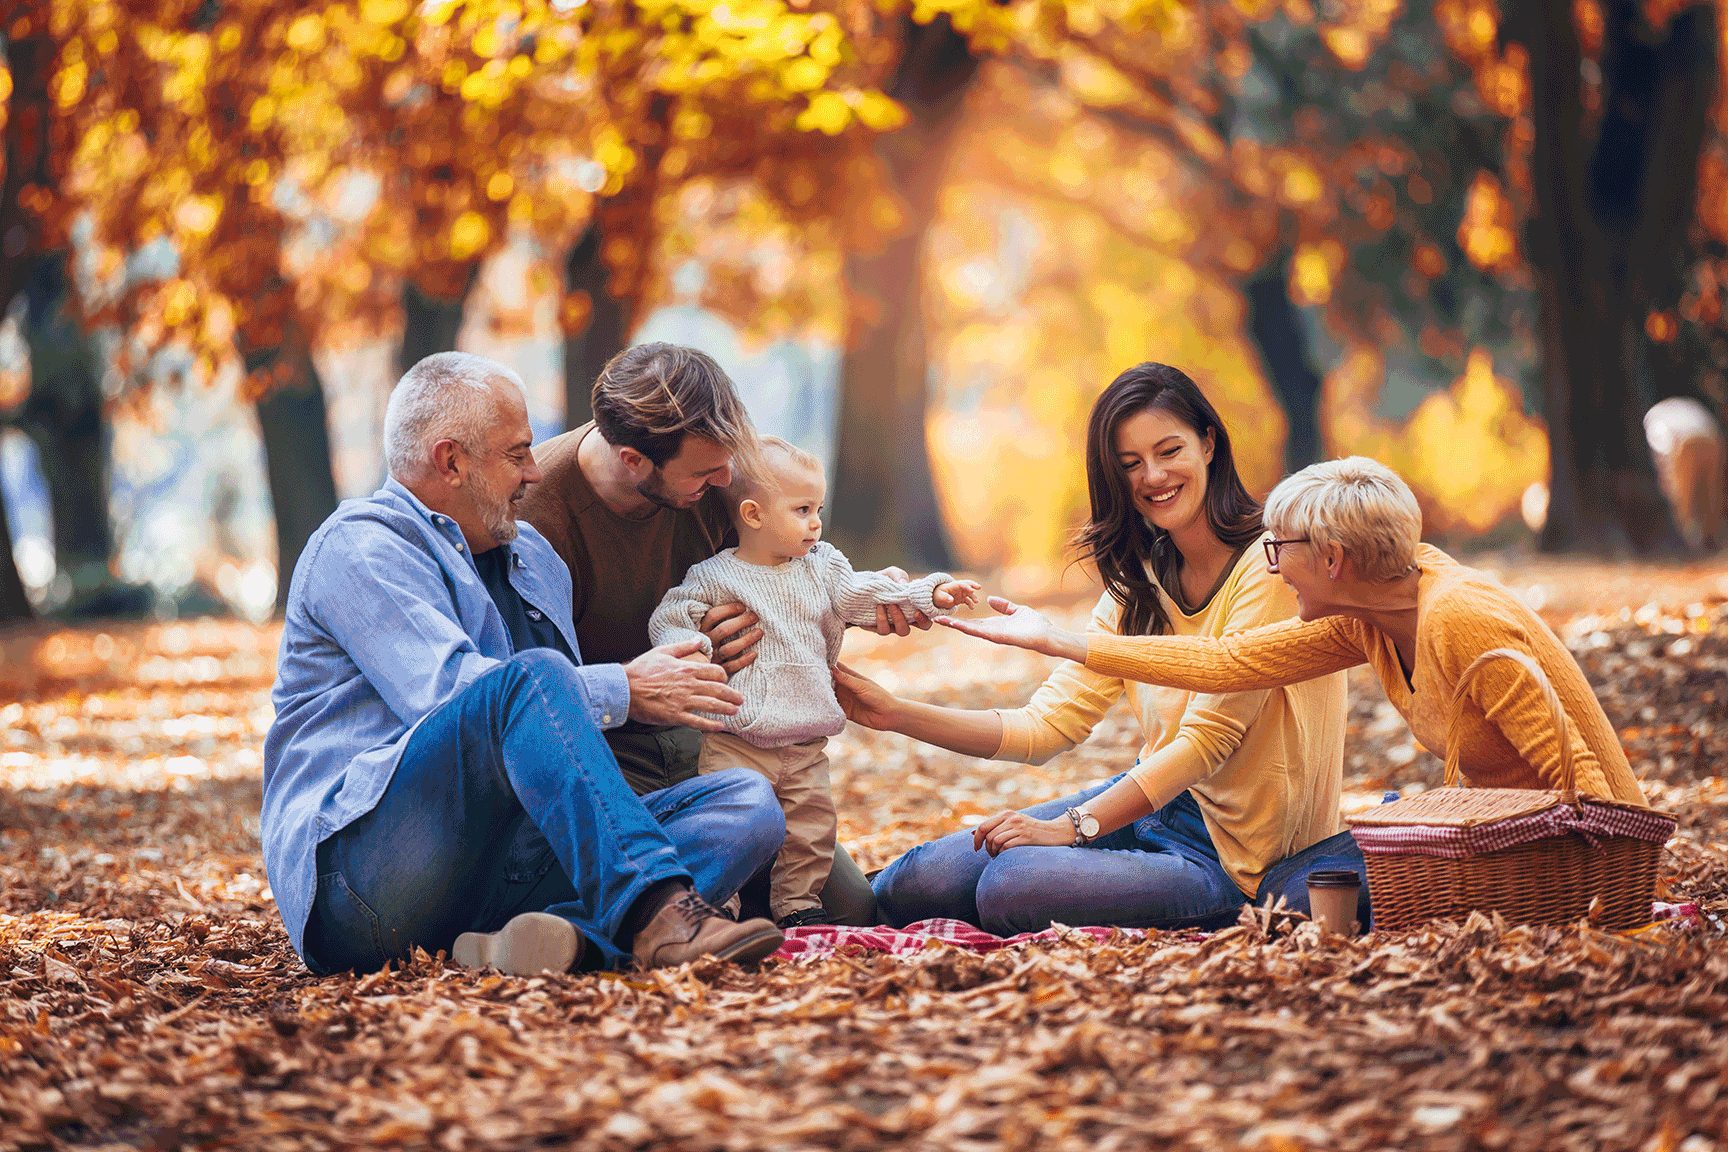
pixel 654 490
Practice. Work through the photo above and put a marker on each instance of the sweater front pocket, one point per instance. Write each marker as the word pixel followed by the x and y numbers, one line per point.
pixel 786 704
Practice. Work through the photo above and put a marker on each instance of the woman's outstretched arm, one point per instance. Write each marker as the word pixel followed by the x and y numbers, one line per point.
pixel 1269 657
pixel 968 731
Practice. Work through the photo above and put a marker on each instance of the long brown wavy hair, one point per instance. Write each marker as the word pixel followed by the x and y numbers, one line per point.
pixel 1117 539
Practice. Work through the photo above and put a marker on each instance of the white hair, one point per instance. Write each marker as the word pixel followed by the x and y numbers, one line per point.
pixel 446 396
pixel 1357 502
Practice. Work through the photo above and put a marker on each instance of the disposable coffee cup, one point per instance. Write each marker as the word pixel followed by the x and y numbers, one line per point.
pixel 1332 895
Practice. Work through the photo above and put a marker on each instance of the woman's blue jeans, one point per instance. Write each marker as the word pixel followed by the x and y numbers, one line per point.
pixel 1159 872
pixel 507 799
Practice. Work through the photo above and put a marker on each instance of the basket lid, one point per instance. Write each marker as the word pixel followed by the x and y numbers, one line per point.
pixel 1459 807
pixel 1466 834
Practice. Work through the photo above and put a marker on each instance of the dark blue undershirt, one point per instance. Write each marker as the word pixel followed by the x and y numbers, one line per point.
pixel 528 626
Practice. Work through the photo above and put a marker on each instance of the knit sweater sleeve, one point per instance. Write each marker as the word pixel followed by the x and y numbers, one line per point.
pixel 681 610
pixel 1066 707
pixel 1271 656
pixel 857 595
pixel 1468 623
pixel 1214 724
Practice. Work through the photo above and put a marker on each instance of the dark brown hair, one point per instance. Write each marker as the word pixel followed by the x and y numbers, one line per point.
pixel 651 396
pixel 1117 539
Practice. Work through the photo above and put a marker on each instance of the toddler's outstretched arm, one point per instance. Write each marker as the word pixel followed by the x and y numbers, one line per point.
pixel 856 595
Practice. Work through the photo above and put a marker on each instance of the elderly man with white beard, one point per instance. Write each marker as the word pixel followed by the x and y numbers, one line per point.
pixel 436 776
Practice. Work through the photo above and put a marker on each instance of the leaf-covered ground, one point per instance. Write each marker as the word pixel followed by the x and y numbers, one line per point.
pixel 148 997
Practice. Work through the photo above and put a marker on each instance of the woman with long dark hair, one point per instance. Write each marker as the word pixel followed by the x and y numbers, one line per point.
pixel 1224 787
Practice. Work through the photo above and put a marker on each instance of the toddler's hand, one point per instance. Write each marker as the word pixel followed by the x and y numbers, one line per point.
pixel 956 593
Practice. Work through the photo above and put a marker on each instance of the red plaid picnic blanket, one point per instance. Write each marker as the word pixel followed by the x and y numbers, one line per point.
pixel 1590 821
pixel 825 940
pixel 817 942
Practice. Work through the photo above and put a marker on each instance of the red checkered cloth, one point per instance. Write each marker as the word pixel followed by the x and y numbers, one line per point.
pixel 1591 822
pixel 825 940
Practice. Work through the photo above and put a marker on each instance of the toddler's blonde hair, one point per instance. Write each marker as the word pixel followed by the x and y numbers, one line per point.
pixel 755 477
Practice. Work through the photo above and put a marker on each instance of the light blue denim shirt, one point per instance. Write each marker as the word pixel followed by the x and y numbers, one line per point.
pixel 387 619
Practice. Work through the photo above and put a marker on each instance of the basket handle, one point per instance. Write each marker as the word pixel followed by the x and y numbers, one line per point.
pixel 1455 734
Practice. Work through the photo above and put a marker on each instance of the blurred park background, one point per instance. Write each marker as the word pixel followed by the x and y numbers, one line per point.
pixel 1476 240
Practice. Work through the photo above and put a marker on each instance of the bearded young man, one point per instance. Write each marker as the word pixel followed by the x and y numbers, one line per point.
pixel 631 501
pixel 436 774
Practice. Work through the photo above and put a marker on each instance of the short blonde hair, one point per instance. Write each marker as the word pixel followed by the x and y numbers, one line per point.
pixel 755 477
pixel 1356 502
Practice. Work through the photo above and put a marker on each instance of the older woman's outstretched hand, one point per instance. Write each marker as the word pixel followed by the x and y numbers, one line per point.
pixel 1018 626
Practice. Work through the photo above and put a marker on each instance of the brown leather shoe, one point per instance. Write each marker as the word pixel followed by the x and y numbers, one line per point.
pixel 527 945
pixel 687 926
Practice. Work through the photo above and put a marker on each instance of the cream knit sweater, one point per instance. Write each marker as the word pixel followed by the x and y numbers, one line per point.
pixel 804 605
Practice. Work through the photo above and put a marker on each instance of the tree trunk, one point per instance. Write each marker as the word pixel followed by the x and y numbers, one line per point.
pixel 66 416
pixel 14 604
pixel 885 509
pixel 1605 238
pixel 28 147
pixel 296 435
pixel 430 323
pixel 605 334
pixel 614 289
pixel 1276 326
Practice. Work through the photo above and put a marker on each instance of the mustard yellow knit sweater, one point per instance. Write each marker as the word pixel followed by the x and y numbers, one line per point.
pixel 1264 766
pixel 1508 737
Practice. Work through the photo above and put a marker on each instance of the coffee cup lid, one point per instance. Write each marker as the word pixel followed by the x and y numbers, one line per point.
pixel 1334 878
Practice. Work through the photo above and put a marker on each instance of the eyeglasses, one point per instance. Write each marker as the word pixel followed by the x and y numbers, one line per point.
pixel 1272 547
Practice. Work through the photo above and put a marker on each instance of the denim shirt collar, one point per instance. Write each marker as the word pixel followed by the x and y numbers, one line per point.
pixel 528 568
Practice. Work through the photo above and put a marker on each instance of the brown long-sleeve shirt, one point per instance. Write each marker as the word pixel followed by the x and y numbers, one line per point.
pixel 619 567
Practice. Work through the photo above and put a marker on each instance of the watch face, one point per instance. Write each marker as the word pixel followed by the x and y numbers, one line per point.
pixel 1088 825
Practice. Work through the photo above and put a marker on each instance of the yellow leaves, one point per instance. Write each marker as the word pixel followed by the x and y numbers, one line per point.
pixel 832 112
pixel 1096 82
pixel 1313 269
pixel 1487 231
pixel 486 41
pixel 263 111
pixel 306 34
pixel 804 75
pixel 469 235
pixel 1302 184
pixel 826 113
pixel 500 186
pixel 197 216
pixel 384 12
pixel 68 85
pixel 5 82
pixel 877 112
pixel 1474 450
pixel 178 301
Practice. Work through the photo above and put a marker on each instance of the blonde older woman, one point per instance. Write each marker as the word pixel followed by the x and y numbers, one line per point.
pixel 1345 536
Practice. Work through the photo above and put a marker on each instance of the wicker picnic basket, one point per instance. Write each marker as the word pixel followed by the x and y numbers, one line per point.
pixel 1535 857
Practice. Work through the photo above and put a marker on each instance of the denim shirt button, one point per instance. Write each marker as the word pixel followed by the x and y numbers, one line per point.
pixel 606 719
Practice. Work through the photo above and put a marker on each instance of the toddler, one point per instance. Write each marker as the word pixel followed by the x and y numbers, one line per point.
pixel 805 593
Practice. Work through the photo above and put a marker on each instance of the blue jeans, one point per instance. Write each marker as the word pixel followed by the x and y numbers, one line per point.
pixel 506 800
pixel 1289 877
pixel 1159 872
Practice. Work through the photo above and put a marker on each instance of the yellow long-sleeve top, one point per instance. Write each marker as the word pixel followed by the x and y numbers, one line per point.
pixel 1265 765
pixel 1508 735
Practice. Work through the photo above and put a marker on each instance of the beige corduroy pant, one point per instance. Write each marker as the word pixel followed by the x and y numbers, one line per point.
pixel 799 774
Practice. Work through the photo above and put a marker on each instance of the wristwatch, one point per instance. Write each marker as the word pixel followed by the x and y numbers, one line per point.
pixel 1085 826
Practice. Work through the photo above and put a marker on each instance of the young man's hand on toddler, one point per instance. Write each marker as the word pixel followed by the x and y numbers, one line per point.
pixel 956 594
